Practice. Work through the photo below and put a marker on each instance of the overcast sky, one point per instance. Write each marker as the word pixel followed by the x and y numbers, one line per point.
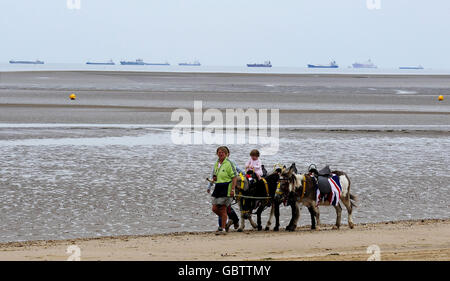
pixel 228 32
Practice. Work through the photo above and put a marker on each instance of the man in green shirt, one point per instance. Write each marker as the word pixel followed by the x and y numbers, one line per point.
pixel 225 176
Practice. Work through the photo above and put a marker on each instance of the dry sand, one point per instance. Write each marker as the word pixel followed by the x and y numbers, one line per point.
pixel 404 240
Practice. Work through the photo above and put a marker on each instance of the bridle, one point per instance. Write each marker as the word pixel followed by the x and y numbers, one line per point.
pixel 282 191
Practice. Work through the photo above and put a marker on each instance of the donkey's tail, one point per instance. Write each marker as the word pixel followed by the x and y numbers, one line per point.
pixel 353 199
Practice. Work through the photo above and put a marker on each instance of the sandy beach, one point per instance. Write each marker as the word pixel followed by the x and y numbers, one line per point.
pixel 405 240
pixel 139 132
pixel 98 166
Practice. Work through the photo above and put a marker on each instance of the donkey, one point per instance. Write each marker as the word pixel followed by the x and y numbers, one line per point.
pixel 305 192
pixel 282 195
pixel 259 196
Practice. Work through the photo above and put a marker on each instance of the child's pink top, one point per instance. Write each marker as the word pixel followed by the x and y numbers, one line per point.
pixel 256 166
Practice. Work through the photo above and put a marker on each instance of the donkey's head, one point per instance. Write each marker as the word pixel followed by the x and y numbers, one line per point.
pixel 287 182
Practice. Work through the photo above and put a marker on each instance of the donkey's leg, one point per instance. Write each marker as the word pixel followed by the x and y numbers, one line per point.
pixel 295 216
pixel 291 221
pixel 316 209
pixel 348 205
pixel 252 222
pixel 242 215
pixel 338 216
pixel 242 226
pixel 277 217
pixel 258 216
pixel 269 222
pixel 312 212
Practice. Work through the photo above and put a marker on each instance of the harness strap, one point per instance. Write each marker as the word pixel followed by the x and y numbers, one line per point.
pixel 278 189
pixel 266 185
pixel 242 181
pixel 304 187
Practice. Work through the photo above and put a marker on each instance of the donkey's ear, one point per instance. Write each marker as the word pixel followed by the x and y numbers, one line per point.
pixel 290 171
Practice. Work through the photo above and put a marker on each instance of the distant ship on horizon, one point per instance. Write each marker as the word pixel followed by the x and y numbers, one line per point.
pixel 367 64
pixel 136 62
pixel 265 64
pixel 411 67
pixel 195 63
pixel 330 65
pixel 110 62
pixel 25 62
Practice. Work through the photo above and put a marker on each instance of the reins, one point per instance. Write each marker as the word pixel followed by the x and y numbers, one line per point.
pixel 252 197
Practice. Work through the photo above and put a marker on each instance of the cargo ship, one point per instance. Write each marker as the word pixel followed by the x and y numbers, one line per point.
pixel 141 62
pixel 411 67
pixel 25 62
pixel 265 64
pixel 195 63
pixel 367 64
pixel 110 62
pixel 331 65
pixel 137 62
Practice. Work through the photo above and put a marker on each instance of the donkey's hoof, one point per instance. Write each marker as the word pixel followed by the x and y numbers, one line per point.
pixel 351 225
pixel 240 230
pixel 336 227
pixel 290 228
pixel 259 228
pixel 267 228
pixel 276 228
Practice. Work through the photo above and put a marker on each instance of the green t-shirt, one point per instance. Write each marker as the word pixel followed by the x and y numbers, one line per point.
pixel 225 173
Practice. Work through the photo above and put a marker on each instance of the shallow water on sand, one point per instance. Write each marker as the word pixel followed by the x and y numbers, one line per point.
pixel 58 183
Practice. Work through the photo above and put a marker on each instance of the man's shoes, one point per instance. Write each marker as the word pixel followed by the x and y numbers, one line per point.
pixel 221 232
pixel 229 223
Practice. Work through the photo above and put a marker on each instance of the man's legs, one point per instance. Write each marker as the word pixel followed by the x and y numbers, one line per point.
pixel 221 211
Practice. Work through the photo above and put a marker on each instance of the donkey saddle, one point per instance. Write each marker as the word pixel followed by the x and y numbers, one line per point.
pixel 322 176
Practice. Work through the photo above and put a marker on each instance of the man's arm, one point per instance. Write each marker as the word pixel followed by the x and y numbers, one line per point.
pixel 210 184
pixel 233 186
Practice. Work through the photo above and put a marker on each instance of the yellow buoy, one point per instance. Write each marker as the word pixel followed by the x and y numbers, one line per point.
pixel 72 96
pixel 441 98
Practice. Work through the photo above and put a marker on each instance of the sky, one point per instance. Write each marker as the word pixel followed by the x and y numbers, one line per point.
pixel 228 32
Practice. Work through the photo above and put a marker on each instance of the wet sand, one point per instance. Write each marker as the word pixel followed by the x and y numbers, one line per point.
pixel 405 240
pixel 149 98
pixel 102 176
